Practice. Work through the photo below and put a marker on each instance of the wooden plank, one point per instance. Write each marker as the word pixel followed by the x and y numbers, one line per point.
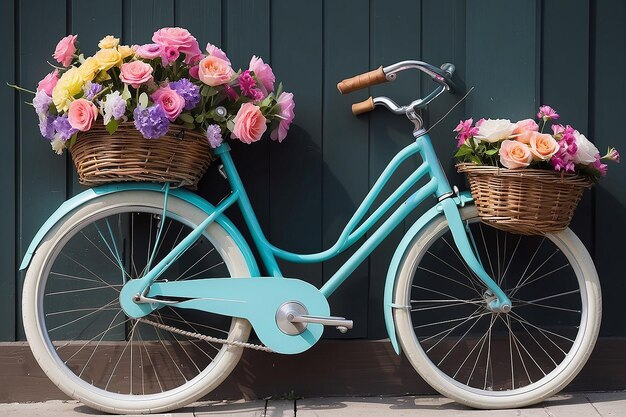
pixel 202 18
pixel 501 59
pixel 141 18
pixel 42 173
pixel 390 133
pixel 608 108
pixel 345 148
pixel 358 368
pixel 296 164
pixel 91 24
pixel 8 262
pixel 246 32
pixel 557 84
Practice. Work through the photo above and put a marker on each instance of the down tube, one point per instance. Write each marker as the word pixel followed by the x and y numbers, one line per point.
pixel 378 236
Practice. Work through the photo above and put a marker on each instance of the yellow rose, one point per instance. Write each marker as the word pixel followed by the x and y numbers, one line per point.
pixel 108 42
pixel 102 76
pixel 89 69
pixel 108 58
pixel 125 51
pixel 70 84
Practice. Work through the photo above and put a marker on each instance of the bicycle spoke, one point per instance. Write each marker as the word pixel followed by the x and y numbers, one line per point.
pixel 482 234
pixel 506 269
pixel 449 331
pixel 539 277
pixel 533 273
pixel 459 341
pixel 113 301
pixel 469 279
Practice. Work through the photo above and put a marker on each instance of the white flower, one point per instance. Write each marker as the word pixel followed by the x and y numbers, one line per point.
pixel 113 107
pixel 495 130
pixel 58 145
pixel 586 152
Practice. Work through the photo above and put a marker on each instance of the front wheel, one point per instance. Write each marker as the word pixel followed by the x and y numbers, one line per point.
pixel 80 335
pixel 492 360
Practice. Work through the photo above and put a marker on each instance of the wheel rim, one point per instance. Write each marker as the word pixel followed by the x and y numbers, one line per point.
pixel 80 318
pixel 487 353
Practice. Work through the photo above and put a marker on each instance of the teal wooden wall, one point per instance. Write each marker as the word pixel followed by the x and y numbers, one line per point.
pixel 517 54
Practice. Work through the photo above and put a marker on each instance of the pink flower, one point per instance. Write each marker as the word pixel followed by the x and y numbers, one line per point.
pixel 48 82
pixel 599 166
pixel 194 72
pixel 230 93
pixel 286 105
pixel 64 52
pixel 612 155
pixel 250 124
pixel 263 73
pixel 214 71
pixel 169 54
pixel 557 129
pixel 524 130
pixel 179 39
pixel 542 146
pixel 170 101
pixel 465 131
pixel 148 51
pixel 135 73
pixel 82 112
pixel 514 154
pixel 248 87
pixel 547 113
pixel 217 52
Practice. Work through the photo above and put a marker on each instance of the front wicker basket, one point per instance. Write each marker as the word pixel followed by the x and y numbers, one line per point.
pixel 528 201
pixel 179 157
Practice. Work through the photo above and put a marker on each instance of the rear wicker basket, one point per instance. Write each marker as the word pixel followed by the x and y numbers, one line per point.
pixel 527 201
pixel 180 157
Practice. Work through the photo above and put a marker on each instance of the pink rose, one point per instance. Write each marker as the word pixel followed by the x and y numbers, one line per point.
pixel 48 82
pixel 169 54
pixel 543 146
pixel 82 112
pixel 214 71
pixel 64 52
pixel 171 102
pixel 179 39
pixel 249 124
pixel 514 154
pixel 215 51
pixel 524 130
pixel 263 73
pixel 286 115
pixel 148 51
pixel 135 73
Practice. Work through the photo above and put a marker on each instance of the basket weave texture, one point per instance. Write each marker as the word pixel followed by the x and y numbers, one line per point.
pixel 180 157
pixel 528 201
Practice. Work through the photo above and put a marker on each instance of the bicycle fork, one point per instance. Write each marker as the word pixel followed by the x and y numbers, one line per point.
pixel 497 300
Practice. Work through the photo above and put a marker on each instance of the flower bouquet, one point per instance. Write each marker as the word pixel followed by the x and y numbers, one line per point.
pixel 152 112
pixel 524 180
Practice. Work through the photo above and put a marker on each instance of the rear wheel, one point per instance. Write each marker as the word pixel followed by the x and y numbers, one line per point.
pixel 497 360
pixel 80 335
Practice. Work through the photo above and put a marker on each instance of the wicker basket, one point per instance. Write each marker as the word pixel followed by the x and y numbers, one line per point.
pixel 528 201
pixel 180 157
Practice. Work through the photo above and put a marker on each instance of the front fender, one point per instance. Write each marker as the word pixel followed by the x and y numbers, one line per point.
pixel 92 193
pixel 392 273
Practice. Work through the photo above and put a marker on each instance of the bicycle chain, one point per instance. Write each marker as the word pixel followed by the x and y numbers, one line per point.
pixel 206 338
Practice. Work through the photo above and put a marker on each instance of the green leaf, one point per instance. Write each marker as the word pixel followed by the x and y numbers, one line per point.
pixel 463 151
pixel 279 89
pixel 208 91
pixel 112 126
pixel 200 118
pixel 72 140
pixel 189 126
pixel 186 117
pixel 491 152
pixel 126 93
pixel 230 125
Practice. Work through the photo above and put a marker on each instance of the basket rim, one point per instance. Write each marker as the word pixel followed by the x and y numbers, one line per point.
pixel 542 175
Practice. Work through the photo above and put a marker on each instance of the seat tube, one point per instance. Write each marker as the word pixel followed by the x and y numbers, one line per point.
pixel 233 178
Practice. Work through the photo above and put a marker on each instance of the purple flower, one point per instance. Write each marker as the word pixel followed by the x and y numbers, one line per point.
pixel 187 90
pixel 114 107
pixel 42 102
pixel 214 135
pixel 248 86
pixel 152 121
pixel 547 113
pixel 466 131
pixel 92 90
pixel 46 126
pixel 63 128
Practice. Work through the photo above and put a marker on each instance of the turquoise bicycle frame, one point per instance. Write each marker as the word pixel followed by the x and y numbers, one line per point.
pixel 437 185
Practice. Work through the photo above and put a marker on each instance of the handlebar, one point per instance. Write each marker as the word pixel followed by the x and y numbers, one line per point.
pixel 441 76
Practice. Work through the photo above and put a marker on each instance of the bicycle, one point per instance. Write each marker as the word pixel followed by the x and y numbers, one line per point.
pixel 140 297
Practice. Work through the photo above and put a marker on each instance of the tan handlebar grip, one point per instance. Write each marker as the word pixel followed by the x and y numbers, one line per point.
pixel 374 77
pixel 363 106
